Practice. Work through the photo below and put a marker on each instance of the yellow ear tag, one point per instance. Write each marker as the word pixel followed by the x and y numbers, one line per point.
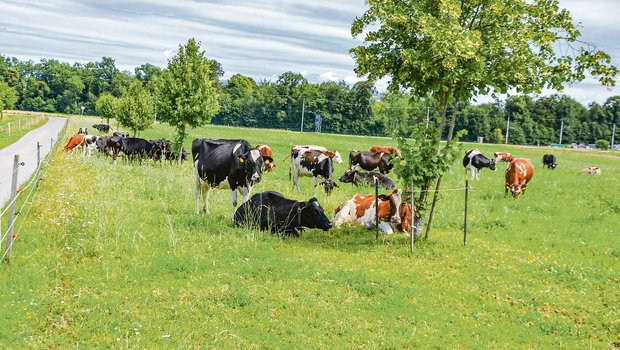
pixel 266 161
pixel 241 160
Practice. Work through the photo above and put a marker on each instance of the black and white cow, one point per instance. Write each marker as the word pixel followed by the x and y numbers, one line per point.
pixel 359 177
pixel 549 161
pixel 137 148
pixel 313 163
pixel 475 161
pixel 272 211
pixel 105 128
pixel 232 164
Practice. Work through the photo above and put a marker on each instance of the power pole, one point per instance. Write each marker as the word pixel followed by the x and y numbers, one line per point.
pixel 507 128
pixel 303 109
pixel 427 116
pixel 561 130
pixel 613 134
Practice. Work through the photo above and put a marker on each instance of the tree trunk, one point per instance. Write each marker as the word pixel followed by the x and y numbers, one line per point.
pixel 431 215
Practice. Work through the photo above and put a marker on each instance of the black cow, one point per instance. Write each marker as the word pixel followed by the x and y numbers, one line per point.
pixel 120 134
pixel 549 161
pixel 313 163
pixel 356 177
pixel 230 164
pixel 475 161
pixel 137 148
pixel 272 211
pixel 370 161
pixel 105 128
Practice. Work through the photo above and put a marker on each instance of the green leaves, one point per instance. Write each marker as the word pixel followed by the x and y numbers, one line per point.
pixel 135 108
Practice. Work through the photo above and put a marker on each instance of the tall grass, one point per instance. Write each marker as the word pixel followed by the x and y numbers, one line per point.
pixel 112 256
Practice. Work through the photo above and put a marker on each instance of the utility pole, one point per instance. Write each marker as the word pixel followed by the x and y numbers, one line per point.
pixel 507 128
pixel 303 109
pixel 427 116
pixel 613 134
pixel 561 130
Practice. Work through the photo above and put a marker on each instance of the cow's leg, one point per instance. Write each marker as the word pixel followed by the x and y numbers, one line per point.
pixel 234 202
pixel 206 194
pixel 315 182
pixel 343 215
pixel 296 178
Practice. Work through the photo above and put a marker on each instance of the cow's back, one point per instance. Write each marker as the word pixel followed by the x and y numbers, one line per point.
pixel 215 159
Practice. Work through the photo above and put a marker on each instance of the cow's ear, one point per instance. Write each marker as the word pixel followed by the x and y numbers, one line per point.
pixel 241 159
pixel 267 159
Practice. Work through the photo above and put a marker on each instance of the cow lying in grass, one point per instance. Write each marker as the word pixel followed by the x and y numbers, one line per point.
pixel 361 211
pixel 272 211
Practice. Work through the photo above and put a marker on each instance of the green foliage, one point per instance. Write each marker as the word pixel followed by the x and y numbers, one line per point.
pixel 8 97
pixel 135 110
pixel 187 93
pixel 602 144
pixel 106 107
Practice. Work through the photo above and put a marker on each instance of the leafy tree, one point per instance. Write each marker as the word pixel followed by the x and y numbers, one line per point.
pixel 602 144
pixel 186 92
pixel 460 49
pixel 134 110
pixel 106 107
pixel 8 97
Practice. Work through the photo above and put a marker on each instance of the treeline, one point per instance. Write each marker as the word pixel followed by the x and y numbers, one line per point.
pixel 54 86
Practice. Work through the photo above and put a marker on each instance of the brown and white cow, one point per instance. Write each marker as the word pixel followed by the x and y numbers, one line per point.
pixel 370 160
pixel 594 170
pixel 334 155
pixel 265 151
pixel 360 210
pixel 519 172
pixel 503 157
pixel 77 140
pixel 386 149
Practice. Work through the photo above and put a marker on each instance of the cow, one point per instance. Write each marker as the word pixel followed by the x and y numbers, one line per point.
pixel 475 161
pixel 549 161
pixel 77 140
pixel 230 164
pixel 316 164
pixel 594 170
pixel 266 151
pixel 361 210
pixel 91 144
pixel 120 134
pixel 334 155
pixel 358 177
pixel 370 161
pixel 111 145
pixel 519 172
pixel 387 149
pixel 503 157
pixel 137 148
pixel 83 131
pixel 104 128
pixel 272 211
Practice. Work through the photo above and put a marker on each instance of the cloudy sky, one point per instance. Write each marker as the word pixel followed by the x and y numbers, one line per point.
pixel 258 38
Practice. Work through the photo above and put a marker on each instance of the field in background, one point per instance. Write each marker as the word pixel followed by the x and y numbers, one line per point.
pixel 113 256
pixel 30 122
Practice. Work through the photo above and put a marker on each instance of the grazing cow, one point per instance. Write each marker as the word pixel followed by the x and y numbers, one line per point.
pixel 91 144
pixel 549 161
pixel 475 161
pixel 503 157
pixel 266 151
pixel 313 163
pixel 137 148
pixel 334 155
pixel 272 211
pixel 386 149
pixel 120 134
pixel 594 170
pixel 77 140
pixel 230 164
pixel 361 210
pixel 370 161
pixel 356 177
pixel 519 172
pixel 105 128
pixel 83 131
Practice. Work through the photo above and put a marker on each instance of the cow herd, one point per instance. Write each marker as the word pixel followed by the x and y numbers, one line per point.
pixel 237 165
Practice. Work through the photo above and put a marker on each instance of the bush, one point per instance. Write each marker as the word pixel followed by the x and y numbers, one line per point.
pixel 602 144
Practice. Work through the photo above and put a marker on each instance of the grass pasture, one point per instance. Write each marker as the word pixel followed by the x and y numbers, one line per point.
pixel 113 256
pixel 17 133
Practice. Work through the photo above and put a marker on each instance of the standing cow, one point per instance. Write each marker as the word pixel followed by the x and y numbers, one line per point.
pixel 475 161
pixel 519 172
pixel 232 164
pixel 370 161
pixel 549 161
pixel 313 163
pixel 265 150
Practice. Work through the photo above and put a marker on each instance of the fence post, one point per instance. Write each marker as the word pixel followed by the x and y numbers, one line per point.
pixel 466 208
pixel 38 155
pixel 376 208
pixel 19 124
pixel 9 126
pixel 412 238
pixel 9 235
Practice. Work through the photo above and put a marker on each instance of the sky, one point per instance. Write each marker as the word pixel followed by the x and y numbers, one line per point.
pixel 258 38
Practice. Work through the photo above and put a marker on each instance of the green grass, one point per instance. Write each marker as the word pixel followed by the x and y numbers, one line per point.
pixel 16 133
pixel 112 256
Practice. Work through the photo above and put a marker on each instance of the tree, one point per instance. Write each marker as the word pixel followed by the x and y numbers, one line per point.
pixel 135 109
pixel 106 107
pixel 8 97
pixel 460 49
pixel 186 93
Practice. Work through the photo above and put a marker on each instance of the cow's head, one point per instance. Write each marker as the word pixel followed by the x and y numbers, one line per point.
pixel 269 165
pixel 329 185
pixel 395 201
pixel 516 191
pixel 405 218
pixel 493 165
pixel 313 215
pixel 348 176
pixel 252 163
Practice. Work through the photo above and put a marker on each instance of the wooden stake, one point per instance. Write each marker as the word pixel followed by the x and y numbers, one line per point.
pixel 466 208
pixel 9 236
pixel 376 208
pixel 412 238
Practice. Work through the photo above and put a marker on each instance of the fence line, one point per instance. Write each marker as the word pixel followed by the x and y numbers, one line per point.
pixel 21 123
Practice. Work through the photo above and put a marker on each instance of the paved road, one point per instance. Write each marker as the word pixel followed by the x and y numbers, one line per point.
pixel 26 147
